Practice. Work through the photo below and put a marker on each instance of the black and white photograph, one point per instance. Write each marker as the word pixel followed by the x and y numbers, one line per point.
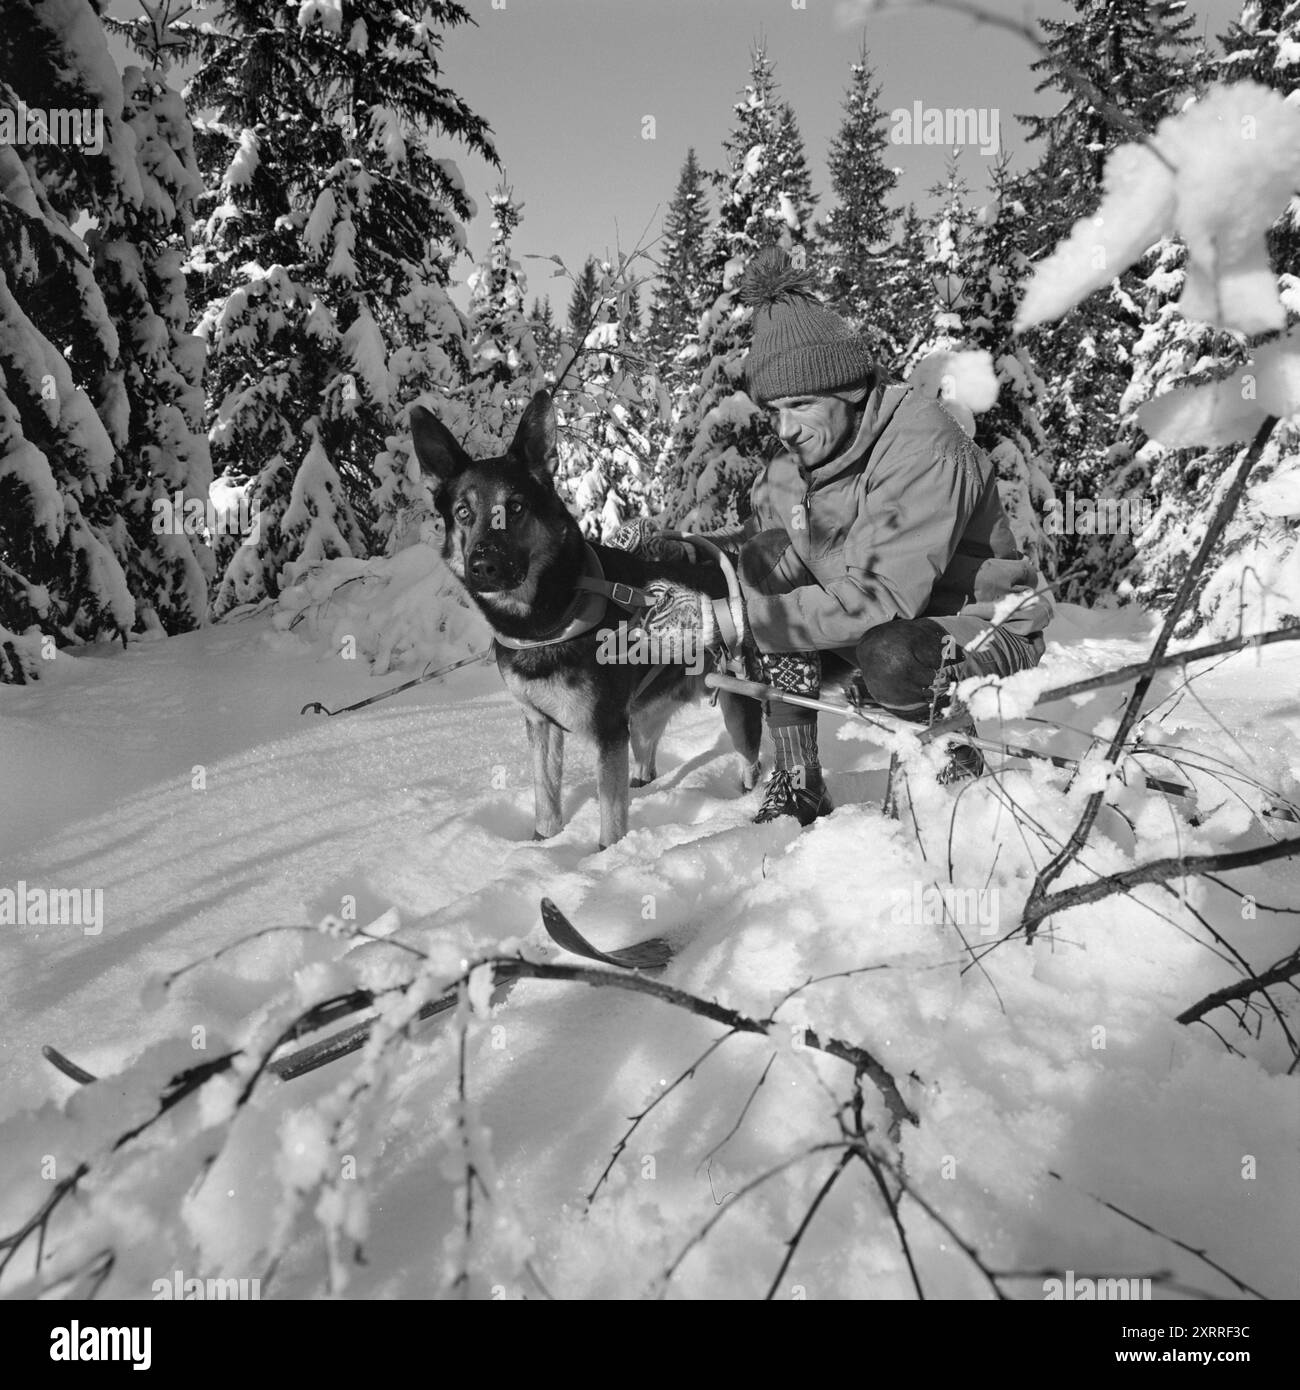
pixel 649 651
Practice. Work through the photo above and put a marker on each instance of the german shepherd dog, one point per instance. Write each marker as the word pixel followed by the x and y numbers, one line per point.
pixel 512 544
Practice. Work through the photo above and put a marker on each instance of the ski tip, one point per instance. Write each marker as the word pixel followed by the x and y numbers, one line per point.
pixel 653 954
pixel 68 1067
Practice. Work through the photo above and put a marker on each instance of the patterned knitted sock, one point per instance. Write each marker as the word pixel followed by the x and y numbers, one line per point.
pixel 798 672
pixel 794 730
pixel 795 748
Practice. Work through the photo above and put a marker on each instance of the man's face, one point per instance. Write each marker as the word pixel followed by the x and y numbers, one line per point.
pixel 813 428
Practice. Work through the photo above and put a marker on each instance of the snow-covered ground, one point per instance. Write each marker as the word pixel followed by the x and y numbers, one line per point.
pixel 180 779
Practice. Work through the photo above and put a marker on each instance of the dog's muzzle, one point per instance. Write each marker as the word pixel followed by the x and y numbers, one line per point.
pixel 490 570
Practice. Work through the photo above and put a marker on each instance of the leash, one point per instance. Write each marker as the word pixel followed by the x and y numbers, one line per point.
pixel 315 707
pixel 584 615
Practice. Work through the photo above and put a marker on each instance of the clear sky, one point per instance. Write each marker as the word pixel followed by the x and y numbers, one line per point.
pixel 566 84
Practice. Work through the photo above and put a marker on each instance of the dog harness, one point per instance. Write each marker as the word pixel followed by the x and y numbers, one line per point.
pixel 587 611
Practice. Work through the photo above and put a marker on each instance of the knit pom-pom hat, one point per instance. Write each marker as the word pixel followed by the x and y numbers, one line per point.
pixel 801 348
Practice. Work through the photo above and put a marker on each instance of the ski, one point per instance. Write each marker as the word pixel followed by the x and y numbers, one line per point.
pixel 651 954
pixel 305 1059
pixel 353 1039
pixel 68 1067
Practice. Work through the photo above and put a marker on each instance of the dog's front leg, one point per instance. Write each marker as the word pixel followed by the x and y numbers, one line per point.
pixel 546 742
pixel 744 720
pixel 612 788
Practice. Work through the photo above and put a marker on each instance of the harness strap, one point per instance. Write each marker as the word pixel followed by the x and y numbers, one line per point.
pixel 624 595
pixel 587 611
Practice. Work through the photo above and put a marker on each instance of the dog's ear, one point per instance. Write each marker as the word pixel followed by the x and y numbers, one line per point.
pixel 435 446
pixel 534 441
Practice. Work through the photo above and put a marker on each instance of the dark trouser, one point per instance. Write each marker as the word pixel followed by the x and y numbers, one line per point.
pixel 907 664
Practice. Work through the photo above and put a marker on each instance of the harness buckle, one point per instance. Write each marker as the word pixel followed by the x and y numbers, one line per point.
pixel 624 595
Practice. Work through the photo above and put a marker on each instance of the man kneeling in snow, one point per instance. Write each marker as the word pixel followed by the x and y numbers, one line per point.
pixel 877 538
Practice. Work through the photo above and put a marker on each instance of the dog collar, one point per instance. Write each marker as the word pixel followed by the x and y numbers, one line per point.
pixel 587 611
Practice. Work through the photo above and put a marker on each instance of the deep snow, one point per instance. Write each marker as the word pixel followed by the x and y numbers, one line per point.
pixel 419 809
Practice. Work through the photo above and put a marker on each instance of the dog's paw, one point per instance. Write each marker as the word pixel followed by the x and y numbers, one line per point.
pixel 749 776
pixel 637 782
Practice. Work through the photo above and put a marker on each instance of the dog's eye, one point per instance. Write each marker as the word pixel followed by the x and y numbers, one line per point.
pixel 462 512
pixel 515 506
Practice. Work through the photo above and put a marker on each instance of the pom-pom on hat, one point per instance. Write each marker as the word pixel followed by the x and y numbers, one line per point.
pixel 801 348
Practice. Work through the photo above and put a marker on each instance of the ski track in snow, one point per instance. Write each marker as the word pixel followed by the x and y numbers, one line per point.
pixel 424 804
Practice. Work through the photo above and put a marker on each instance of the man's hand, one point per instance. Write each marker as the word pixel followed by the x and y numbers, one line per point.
pixel 641 536
pixel 999 579
pixel 681 620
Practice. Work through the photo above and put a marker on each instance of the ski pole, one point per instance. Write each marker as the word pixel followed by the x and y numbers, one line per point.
pixel 315 707
pixel 891 724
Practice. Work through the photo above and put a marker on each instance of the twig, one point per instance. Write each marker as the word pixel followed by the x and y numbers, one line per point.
pixel 461 1281
pixel 942 1222
pixel 821 979
pixel 1157 871
pixel 1138 668
pixel 1285 970
pixel 1038 894
pixel 1173 1240
pixel 793 1243
pixel 857 1056
pixel 1263 907
pixel 663 1095
pixel 740 1119
pixel 39 1220
pixel 666 1277
pixel 891 1204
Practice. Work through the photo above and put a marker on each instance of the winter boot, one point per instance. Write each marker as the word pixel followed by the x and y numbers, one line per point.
pixel 964 761
pixel 786 794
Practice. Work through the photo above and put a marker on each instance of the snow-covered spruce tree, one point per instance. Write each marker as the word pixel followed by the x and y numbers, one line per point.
pixel 856 232
pixel 481 394
pixel 139 257
pixel 787 167
pixel 947 268
pixel 1221 171
pixel 720 438
pixel 96 378
pixel 905 313
pixel 546 336
pixel 1264 44
pixel 586 292
pixel 677 300
pixel 502 368
pixel 1257 578
pixel 1119 67
pixel 322 266
pixel 1011 430
pixel 963 349
pixel 610 402
pixel 1163 490
pixel 503 345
